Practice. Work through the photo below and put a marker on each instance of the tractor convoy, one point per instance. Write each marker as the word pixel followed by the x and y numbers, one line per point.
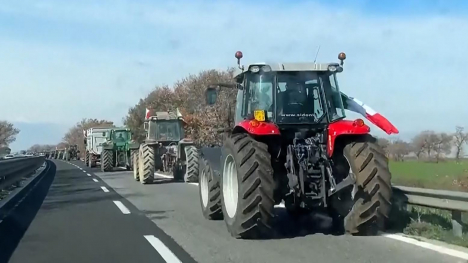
pixel 290 145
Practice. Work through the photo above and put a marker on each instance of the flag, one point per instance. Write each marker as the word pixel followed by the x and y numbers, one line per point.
pixel 376 118
pixel 147 114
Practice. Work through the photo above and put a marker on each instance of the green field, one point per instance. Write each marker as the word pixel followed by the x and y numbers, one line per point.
pixel 447 175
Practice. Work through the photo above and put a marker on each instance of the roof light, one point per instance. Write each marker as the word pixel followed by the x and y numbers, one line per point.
pixel 255 69
pixel 239 55
pixel 332 68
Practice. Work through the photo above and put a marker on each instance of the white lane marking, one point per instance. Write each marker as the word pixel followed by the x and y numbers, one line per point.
pixel 193 184
pixel 164 175
pixel 164 251
pixel 89 174
pixel 122 207
pixel 96 180
pixel 440 249
pixel 105 189
pixel 83 171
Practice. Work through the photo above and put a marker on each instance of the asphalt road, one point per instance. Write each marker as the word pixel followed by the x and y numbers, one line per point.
pixel 78 214
pixel 175 208
pixel 72 216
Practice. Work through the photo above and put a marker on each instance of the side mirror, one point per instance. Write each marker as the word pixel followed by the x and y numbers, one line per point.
pixel 211 96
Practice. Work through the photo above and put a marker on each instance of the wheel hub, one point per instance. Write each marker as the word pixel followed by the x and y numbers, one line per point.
pixel 230 186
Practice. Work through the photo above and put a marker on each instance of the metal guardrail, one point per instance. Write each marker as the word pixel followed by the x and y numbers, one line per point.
pixel 12 171
pixel 456 202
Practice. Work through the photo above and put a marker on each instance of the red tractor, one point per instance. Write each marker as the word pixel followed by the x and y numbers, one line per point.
pixel 292 145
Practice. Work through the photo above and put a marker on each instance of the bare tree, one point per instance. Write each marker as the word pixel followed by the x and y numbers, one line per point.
pixel 398 149
pixel 384 143
pixel 418 143
pixel 442 145
pixel 459 140
pixel 7 133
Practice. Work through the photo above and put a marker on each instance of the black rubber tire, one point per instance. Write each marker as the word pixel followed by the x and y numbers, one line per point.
pixel 133 154
pixel 372 203
pixel 178 171
pixel 107 160
pixel 254 213
pixel 136 165
pixel 191 153
pixel 212 210
pixel 146 164
pixel 86 158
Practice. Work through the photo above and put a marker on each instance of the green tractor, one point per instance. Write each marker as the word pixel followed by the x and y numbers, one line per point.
pixel 118 149
pixel 71 153
pixel 165 149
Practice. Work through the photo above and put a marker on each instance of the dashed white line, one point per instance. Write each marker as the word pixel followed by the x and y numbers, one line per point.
pixel 164 175
pixel 105 189
pixel 122 207
pixel 96 180
pixel 89 174
pixel 193 184
pixel 164 251
pixel 440 249
pixel 83 171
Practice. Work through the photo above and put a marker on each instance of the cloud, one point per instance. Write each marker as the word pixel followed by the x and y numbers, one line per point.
pixel 66 61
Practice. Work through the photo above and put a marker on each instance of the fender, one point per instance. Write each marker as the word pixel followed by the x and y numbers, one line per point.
pixel 213 156
pixel 255 127
pixel 344 127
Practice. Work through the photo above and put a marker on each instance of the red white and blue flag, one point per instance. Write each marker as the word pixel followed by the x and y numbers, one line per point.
pixel 355 105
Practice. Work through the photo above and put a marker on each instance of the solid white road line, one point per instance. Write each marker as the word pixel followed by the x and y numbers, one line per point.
pixel 96 180
pixel 122 207
pixel 164 251
pixel 105 189
pixel 89 174
pixel 440 249
pixel 164 175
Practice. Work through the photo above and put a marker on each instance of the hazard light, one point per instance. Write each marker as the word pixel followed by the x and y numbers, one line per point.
pixel 359 123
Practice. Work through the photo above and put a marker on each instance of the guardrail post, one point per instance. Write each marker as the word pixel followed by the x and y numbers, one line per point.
pixel 457 224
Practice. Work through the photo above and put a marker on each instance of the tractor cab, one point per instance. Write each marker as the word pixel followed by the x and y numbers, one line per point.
pixel 293 96
pixel 165 128
pixel 119 136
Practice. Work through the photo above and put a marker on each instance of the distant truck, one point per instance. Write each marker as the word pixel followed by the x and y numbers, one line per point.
pixel 93 140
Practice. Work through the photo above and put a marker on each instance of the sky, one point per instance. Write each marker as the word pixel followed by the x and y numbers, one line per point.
pixel 61 61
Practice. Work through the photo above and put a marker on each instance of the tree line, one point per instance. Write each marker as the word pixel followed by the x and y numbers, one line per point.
pixel 202 121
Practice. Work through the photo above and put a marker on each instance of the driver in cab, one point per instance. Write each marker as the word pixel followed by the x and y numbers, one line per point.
pixel 292 99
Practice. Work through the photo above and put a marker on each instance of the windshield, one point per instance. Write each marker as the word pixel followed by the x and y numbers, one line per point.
pixel 121 135
pixel 168 131
pixel 299 96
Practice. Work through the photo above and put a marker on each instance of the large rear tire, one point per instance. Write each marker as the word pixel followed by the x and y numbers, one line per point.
pixel 107 160
pixel 86 158
pixel 146 164
pixel 372 191
pixel 191 174
pixel 133 153
pixel 247 187
pixel 136 166
pixel 209 190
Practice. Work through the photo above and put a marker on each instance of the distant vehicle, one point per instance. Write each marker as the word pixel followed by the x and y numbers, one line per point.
pixel 9 156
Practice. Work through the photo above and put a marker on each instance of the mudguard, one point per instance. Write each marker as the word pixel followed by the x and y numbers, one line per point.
pixel 213 156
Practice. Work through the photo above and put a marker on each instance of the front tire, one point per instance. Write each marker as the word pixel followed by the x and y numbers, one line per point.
pixel 146 164
pixel 247 187
pixel 209 191
pixel 373 191
pixel 192 164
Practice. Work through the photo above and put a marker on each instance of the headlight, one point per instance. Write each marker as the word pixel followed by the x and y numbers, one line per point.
pixel 266 69
pixel 332 68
